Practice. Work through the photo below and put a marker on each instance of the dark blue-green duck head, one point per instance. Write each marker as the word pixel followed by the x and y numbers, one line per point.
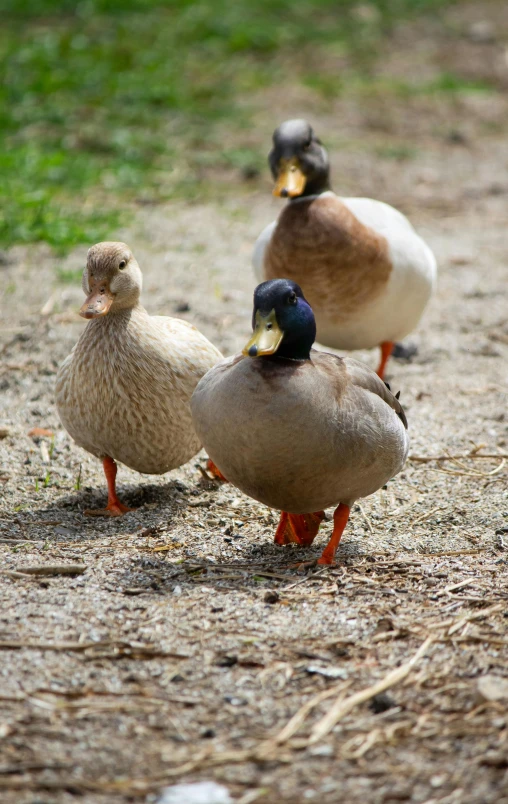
pixel 282 320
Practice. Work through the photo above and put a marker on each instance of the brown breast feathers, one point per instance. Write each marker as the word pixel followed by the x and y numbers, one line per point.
pixel 340 264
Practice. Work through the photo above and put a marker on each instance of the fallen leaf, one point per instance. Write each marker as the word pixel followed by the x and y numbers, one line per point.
pixel 37 432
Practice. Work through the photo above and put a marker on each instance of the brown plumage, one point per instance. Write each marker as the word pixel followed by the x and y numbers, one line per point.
pixel 342 264
pixel 123 393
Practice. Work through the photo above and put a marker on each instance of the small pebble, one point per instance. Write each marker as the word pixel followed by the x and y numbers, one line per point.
pixel 381 703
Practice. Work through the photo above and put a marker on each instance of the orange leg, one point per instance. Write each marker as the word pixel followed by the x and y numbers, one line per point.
pixel 215 471
pixel 114 506
pixel 340 519
pixel 298 528
pixel 386 350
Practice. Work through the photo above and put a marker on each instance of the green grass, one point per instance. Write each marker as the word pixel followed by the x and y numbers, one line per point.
pixel 105 103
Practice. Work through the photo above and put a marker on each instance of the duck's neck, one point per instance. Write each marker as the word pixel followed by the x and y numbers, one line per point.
pixel 317 186
pixel 118 319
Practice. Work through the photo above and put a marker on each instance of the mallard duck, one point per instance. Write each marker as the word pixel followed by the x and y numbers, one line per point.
pixel 123 392
pixel 365 271
pixel 298 429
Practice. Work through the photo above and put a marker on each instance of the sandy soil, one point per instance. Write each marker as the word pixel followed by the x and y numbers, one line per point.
pixel 164 660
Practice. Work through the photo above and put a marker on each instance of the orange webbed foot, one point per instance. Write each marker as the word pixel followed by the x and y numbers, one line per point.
pixel 114 506
pixel 112 509
pixel 298 528
pixel 215 471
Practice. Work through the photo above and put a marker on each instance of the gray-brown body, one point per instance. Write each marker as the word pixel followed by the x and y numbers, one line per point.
pixel 300 436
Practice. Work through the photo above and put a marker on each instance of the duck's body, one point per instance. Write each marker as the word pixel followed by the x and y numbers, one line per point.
pixel 300 436
pixel 124 390
pixel 297 429
pixel 366 272
pixel 123 393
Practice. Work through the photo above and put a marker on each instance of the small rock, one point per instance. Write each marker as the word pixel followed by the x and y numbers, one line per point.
pixel 198 793
pixel 495 759
pixel 381 703
pixel 226 661
pixel 384 624
pixel 234 701
pixel 271 597
pixel 493 688
pixel 182 307
pixel 482 32
pixel 321 751
pixel 4 432
pixel 208 734
pixel 327 672
pixel 65 530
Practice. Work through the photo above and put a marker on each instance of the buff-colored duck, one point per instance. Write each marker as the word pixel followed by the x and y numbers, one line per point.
pixel 297 429
pixel 364 269
pixel 123 393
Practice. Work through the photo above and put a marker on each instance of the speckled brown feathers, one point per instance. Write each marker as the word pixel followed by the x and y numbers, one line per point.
pixel 124 390
pixel 341 264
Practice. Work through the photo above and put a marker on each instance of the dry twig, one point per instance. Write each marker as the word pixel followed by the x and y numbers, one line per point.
pixel 342 708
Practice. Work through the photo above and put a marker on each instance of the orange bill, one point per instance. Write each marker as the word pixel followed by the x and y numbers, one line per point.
pixel 98 302
pixel 291 179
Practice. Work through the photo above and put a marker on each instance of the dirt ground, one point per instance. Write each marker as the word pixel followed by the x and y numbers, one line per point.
pixel 165 661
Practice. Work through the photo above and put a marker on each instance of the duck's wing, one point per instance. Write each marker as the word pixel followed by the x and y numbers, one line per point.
pixel 363 377
pixel 184 347
pixel 346 371
pixel 260 246
pixel 405 243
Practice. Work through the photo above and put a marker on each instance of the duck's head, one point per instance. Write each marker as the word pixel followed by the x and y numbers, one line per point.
pixel 298 161
pixel 282 320
pixel 112 280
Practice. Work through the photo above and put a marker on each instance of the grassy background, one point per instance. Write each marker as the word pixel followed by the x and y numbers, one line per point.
pixel 104 104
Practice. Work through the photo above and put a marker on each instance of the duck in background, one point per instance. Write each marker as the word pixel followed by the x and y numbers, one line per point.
pixel 365 271
pixel 123 393
pixel 298 429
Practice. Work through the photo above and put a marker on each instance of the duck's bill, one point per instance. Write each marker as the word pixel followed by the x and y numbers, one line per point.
pixel 291 179
pixel 267 336
pixel 98 303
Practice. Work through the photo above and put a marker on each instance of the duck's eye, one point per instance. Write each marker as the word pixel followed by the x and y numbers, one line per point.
pixel 292 298
pixel 122 264
pixel 307 145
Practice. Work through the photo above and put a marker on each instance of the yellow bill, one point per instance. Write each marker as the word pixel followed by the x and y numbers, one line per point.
pixel 267 336
pixel 291 179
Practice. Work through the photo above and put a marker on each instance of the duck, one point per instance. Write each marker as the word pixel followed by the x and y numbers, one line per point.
pixel 365 271
pixel 123 393
pixel 297 429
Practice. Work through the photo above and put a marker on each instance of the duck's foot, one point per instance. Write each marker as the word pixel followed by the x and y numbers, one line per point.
pixel 386 350
pixel 114 506
pixel 112 509
pixel 298 528
pixel 340 518
pixel 404 351
pixel 215 471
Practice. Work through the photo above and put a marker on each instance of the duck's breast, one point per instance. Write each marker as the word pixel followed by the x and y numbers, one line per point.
pixel 291 438
pixel 125 392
